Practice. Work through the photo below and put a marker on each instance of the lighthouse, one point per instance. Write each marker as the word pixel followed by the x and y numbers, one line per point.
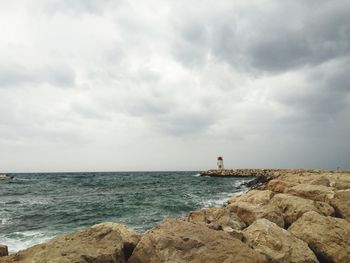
pixel 220 162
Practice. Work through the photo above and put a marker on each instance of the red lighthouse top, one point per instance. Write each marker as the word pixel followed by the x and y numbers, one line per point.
pixel 220 158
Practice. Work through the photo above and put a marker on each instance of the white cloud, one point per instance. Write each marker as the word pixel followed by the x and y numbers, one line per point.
pixel 117 85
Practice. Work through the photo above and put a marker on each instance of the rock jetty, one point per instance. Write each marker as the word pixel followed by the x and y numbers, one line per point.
pixel 298 216
pixel 252 172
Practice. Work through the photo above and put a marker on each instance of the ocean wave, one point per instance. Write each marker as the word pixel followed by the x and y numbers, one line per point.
pixel 21 240
pixel 220 201
pixel 5 221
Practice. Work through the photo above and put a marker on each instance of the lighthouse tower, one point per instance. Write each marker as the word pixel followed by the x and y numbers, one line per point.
pixel 220 162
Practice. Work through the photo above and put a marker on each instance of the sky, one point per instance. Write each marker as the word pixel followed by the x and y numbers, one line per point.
pixel 115 85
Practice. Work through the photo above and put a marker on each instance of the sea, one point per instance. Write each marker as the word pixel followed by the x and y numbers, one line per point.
pixel 35 207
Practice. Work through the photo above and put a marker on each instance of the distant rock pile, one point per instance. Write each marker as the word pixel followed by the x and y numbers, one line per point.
pixel 299 216
pixel 252 172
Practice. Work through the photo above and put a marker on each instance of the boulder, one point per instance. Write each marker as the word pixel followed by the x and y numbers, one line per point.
pixel 180 241
pixel 321 180
pixel 341 204
pixel 327 236
pixel 102 243
pixel 3 251
pixel 216 218
pixel 294 207
pixel 277 244
pixel 254 197
pixel 233 232
pixel 313 192
pixel 341 184
pixel 249 212
pixel 279 186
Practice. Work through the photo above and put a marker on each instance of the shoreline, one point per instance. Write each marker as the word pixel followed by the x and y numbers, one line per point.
pixel 284 207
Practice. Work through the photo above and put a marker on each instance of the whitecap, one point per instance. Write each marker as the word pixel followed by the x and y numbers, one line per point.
pixel 22 240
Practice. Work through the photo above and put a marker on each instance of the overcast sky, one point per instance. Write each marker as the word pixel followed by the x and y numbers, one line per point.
pixel 99 85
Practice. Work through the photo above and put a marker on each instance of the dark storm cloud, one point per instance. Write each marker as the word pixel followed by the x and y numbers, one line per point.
pixel 323 34
pixel 324 94
pixel 14 75
pixel 278 37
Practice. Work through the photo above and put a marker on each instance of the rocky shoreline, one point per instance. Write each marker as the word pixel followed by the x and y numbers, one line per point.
pixel 296 216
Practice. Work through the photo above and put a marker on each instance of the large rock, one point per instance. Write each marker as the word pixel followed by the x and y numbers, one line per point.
pixel 254 197
pixel 102 243
pixel 321 180
pixel 294 207
pixel 341 204
pixel 277 244
pixel 279 186
pixel 328 237
pixel 340 181
pixel 341 184
pixel 216 218
pixel 249 212
pixel 3 251
pixel 313 192
pixel 181 242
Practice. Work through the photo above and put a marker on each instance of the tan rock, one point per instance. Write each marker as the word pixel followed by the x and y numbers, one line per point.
pixel 294 207
pixel 249 212
pixel 216 218
pixel 313 192
pixel 3 251
pixel 233 232
pixel 321 180
pixel 279 186
pixel 102 243
pixel 341 184
pixel 328 237
pixel 341 204
pixel 253 197
pixel 277 244
pixel 180 241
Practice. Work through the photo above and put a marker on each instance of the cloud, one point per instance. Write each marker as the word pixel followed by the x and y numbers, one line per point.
pixel 264 37
pixel 264 83
pixel 14 75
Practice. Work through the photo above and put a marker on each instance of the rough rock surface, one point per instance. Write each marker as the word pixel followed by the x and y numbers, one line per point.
pixel 341 204
pixel 254 197
pixel 279 186
pixel 294 207
pixel 3 251
pixel 249 213
pixel 180 241
pixel 279 245
pixel 341 184
pixel 102 243
pixel 328 237
pixel 217 218
pixel 313 192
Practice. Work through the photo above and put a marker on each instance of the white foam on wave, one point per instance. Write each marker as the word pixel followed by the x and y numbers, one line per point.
pixel 5 221
pixel 22 240
pixel 196 175
pixel 220 201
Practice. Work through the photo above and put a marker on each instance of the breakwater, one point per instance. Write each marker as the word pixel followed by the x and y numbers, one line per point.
pixel 254 172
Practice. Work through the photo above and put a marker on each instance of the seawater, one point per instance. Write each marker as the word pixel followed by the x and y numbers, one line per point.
pixel 36 207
